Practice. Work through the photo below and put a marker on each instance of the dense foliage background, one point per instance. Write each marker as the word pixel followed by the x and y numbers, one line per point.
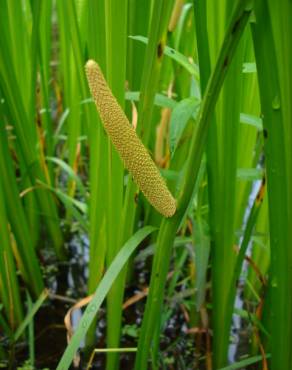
pixel 207 87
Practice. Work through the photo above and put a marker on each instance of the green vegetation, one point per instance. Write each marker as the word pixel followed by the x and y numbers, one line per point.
pixel 187 213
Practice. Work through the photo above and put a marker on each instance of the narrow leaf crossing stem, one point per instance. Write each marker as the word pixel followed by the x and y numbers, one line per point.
pixel 169 226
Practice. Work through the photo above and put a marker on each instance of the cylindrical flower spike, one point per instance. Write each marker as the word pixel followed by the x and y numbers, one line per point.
pixel 123 136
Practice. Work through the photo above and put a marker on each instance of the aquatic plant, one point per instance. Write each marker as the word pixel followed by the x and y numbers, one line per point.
pixel 180 171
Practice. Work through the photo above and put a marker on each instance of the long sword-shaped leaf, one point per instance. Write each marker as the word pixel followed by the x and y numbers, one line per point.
pixel 274 57
pixel 100 293
pixel 169 226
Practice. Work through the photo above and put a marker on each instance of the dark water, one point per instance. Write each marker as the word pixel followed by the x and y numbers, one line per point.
pixel 67 284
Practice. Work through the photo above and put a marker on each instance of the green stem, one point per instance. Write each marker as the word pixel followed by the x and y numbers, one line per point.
pixel 271 34
pixel 168 227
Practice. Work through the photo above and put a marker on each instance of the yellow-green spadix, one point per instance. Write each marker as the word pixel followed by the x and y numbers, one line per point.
pixel 123 136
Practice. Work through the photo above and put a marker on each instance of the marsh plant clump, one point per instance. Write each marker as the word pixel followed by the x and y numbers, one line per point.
pixel 145 188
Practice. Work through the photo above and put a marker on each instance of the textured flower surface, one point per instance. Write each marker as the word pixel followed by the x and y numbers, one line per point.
pixel 132 151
